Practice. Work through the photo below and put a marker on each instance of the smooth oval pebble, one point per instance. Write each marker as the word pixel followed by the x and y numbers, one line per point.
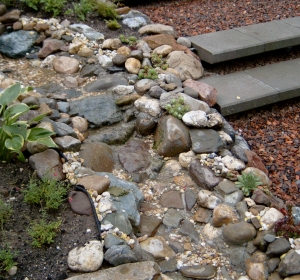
pixel 199 271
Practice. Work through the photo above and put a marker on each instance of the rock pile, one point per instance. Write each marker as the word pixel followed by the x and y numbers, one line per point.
pixel 174 209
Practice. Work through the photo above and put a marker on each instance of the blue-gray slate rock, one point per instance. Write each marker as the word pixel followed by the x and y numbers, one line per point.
pixel 97 110
pixel 296 215
pixel 105 82
pixel 121 254
pixel 120 221
pixel 17 44
pixel 289 265
pixel 130 202
pixel 112 240
pixel 88 32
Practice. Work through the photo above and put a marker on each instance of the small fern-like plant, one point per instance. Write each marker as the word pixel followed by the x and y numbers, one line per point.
pixel 247 182
pixel 49 193
pixel 6 260
pixel 43 232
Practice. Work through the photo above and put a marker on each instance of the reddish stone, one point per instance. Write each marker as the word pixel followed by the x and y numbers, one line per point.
pixel 255 161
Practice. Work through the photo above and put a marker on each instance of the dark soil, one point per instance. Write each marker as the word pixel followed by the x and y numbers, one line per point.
pixel 272 131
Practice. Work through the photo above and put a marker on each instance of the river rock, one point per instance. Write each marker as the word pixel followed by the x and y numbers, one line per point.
pixel 211 232
pixel 97 156
pixel 158 247
pixel 157 29
pixel 148 105
pixel 11 16
pixel 145 124
pixel 224 214
pixel 47 163
pixel 239 233
pixel 80 203
pixel 171 137
pixel 233 163
pixel 112 44
pixel 17 44
pixel 195 119
pixel 95 182
pixel 135 19
pixel 199 271
pixel 143 85
pixel 187 66
pixel 87 258
pixel 278 247
pixel 65 65
pixel 133 65
pixel 263 178
pixel 203 176
pixel 67 143
pixel 185 159
pixel 205 141
pixel 163 50
pixel 256 270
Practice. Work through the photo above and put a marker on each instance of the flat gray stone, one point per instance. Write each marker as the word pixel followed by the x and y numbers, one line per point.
pixel 172 218
pixel 133 271
pixel 256 87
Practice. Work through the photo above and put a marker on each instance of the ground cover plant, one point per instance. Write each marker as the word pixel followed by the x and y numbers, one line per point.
pixel 247 182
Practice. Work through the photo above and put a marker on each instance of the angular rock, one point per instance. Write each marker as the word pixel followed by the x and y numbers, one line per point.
pixel 278 247
pixel 171 137
pixel 10 16
pixel 120 254
pixel 172 218
pixel 97 110
pixel 134 156
pixel 202 215
pixel 17 44
pixel 171 199
pixel 289 265
pixel 148 105
pixel 259 241
pixel 256 270
pixel 190 199
pixel 203 176
pixel 255 161
pixel 206 92
pixel 68 143
pixel 112 240
pixel 145 124
pixel 233 163
pixel 208 200
pixel 134 271
pixel 149 225
pixel 120 221
pixel 269 219
pixel 187 229
pixel 88 32
pixel 50 46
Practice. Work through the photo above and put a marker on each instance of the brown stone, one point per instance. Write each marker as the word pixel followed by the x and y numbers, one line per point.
pixel 11 16
pixel 255 161
pixel 41 27
pixel 29 26
pixel 172 199
pixel 149 225
pixel 202 215
pixel 95 182
pixel 17 25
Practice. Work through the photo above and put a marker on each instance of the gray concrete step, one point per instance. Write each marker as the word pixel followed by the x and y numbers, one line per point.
pixel 256 87
pixel 249 40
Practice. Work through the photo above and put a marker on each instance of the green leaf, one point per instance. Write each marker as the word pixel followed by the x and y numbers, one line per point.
pixel 18 128
pixel 15 143
pixel 20 156
pixel 13 112
pixel 37 118
pixel 10 94
pixel 37 133
pixel 48 142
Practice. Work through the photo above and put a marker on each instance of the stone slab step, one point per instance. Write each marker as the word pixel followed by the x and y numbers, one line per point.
pixel 248 40
pixel 248 89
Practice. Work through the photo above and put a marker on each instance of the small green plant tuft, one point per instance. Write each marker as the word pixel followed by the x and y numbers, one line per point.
pixel 33 4
pixel 106 10
pixel 159 61
pixel 53 6
pixel 82 8
pixel 247 182
pixel 131 40
pixel 6 260
pixel 5 212
pixel 49 193
pixel 147 72
pixel 43 232
pixel 113 24
pixel 177 108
